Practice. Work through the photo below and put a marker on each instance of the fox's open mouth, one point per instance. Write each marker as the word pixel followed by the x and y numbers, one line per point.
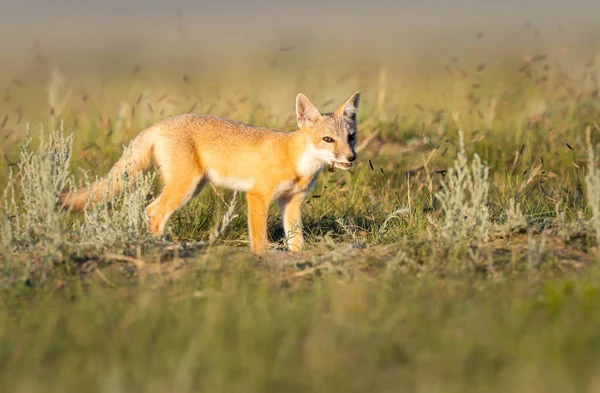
pixel 343 165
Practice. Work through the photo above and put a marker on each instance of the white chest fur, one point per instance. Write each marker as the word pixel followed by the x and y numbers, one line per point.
pixel 313 160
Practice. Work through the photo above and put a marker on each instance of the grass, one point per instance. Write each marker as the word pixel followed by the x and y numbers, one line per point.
pixel 436 265
pixel 236 327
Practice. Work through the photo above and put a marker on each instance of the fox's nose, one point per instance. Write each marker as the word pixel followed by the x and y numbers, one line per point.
pixel 351 157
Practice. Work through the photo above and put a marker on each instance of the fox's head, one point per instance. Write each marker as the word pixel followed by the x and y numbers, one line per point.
pixel 332 136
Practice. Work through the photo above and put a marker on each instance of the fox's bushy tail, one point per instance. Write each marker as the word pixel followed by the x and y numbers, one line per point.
pixel 136 157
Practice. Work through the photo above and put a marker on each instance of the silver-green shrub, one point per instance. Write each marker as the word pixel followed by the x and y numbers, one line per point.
pixel 592 181
pixel 118 220
pixel 464 201
pixel 32 214
pixel 32 217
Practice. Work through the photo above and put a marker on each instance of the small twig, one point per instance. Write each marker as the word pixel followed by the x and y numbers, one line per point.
pixel 139 264
pixel 104 278
pixel 229 216
pixel 217 192
pixel 301 273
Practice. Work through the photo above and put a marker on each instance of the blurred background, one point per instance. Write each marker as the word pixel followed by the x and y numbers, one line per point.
pixel 234 29
pixel 107 69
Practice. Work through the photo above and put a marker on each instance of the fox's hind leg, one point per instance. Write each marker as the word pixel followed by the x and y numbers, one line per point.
pixel 175 193
pixel 183 178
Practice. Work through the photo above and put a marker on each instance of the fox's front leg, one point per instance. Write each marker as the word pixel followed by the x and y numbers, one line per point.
pixel 258 206
pixel 292 221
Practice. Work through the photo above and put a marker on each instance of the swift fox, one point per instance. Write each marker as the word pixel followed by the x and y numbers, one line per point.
pixel 190 150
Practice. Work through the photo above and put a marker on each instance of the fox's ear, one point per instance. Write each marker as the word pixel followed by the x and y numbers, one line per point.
pixel 350 107
pixel 306 112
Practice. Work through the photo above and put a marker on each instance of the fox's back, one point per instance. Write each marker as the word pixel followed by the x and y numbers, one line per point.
pixel 227 148
pixel 214 129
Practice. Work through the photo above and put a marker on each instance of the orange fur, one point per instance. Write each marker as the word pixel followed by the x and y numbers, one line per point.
pixel 191 150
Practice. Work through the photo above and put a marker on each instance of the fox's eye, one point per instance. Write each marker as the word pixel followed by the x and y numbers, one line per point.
pixel 328 139
pixel 351 137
